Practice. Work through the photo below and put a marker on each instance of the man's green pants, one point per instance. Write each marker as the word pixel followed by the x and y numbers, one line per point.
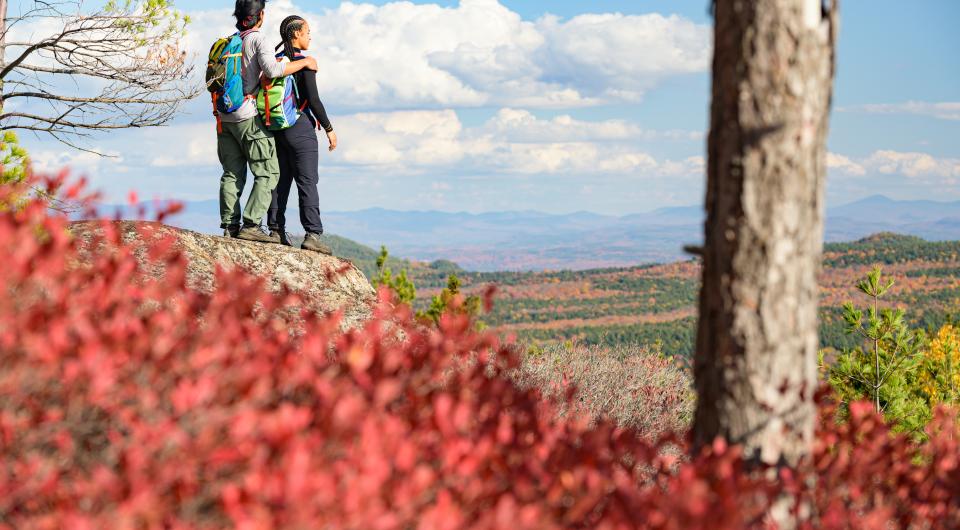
pixel 240 144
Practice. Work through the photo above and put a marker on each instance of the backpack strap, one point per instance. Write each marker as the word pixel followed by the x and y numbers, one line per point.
pixel 296 91
pixel 266 100
pixel 243 35
pixel 237 64
pixel 302 103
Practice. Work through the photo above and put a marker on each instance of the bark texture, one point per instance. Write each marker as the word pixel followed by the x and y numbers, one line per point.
pixel 755 364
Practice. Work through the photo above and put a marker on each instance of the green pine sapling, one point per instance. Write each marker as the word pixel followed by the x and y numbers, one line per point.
pixel 443 302
pixel 883 368
pixel 402 287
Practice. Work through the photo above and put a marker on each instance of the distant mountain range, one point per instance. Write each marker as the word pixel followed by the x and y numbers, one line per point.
pixel 530 240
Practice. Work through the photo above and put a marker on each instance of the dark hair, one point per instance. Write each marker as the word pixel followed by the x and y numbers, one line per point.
pixel 288 28
pixel 247 13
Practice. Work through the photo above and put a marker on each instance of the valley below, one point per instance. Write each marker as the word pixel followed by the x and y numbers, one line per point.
pixel 655 304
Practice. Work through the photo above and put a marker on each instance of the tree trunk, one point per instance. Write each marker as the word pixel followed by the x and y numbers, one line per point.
pixel 755 363
pixel 3 22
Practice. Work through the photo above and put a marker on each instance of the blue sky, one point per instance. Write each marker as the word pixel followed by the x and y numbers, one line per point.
pixel 557 106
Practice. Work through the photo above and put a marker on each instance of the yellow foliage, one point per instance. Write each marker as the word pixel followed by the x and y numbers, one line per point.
pixel 940 376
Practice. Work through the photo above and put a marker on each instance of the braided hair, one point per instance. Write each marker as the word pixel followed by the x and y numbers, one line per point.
pixel 288 30
pixel 247 13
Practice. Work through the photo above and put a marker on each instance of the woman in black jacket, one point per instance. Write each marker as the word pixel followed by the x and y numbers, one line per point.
pixel 297 147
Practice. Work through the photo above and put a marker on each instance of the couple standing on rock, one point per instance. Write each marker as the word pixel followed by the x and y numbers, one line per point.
pixel 277 138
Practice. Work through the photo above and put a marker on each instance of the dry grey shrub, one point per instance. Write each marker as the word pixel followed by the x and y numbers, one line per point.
pixel 636 386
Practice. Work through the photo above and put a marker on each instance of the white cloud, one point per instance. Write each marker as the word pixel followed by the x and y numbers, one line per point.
pixel 690 166
pixel 513 141
pixel 518 125
pixel 912 164
pixel 79 162
pixel 400 139
pixel 407 66
pixel 618 56
pixel 405 142
pixel 183 145
pixel 943 111
pixel 914 169
pixel 522 125
pixel 480 53
pixel 844 165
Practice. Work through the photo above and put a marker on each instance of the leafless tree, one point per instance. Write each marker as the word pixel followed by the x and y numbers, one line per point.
pixel 755 363
pixel 84 70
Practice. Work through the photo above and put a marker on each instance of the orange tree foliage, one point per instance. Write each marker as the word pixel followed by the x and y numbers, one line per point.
pixel 131 402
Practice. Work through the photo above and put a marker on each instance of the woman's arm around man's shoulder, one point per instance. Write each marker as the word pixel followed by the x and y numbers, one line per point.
pixel 307 63
pixel 268 61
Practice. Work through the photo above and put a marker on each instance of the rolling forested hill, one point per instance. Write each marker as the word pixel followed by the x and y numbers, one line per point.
pixel 656 303
pixel 365 258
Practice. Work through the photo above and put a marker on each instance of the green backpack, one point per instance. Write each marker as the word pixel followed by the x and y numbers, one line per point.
pixel 278 100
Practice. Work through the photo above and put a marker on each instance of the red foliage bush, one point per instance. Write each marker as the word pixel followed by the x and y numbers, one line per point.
pixel 130 402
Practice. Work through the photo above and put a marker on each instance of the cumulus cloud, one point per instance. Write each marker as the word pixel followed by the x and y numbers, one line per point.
pixel 47 161
pixel 618 56
pixel 481 53
pixel 943 110
pixel 422 141
pixel 408 66
pixel 513 141
pixel 405 139
pixel 521 125
pixel 915 167
pixel 182 145
pixel 690 166
pixel 844 165
pixel 912 164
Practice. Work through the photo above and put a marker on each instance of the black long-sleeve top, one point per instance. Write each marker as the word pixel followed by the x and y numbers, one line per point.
pixel 307 88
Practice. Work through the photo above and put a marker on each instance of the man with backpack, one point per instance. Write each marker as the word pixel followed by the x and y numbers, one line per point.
pixel 236 63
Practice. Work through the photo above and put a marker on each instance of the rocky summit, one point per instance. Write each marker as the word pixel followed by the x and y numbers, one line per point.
pixel 327 283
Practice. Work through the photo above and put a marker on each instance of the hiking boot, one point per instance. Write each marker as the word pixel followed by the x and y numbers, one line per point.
pixel 312 242
pixel 231 231
pixel 283 235
pixel 256 233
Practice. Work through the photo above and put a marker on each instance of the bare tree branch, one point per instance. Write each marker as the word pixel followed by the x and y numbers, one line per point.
pixel 34 47
pixel 112 101
pixel 60 122
pixel 114 67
